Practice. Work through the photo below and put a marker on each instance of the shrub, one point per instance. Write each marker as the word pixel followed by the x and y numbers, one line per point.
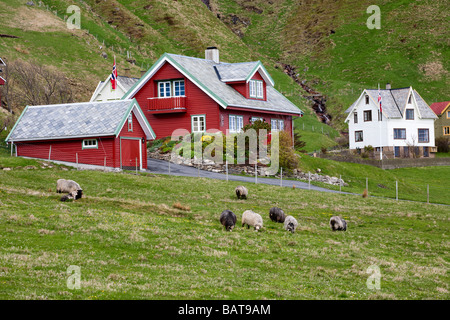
pixel 443 144
pixel 288 158
pixel 298 144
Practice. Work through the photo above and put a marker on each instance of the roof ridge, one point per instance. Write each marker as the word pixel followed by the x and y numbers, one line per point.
pixel 396 104
pixel 74 103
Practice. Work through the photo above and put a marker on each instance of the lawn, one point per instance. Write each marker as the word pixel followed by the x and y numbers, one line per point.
pixel 158 237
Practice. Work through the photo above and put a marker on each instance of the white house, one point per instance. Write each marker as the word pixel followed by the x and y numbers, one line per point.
pixel 405 128
pixel 104 91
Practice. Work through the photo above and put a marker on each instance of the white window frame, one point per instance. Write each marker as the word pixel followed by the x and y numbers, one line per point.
pixel 236 123
pixel 253 119
pixel 259 89
pixel 196 123
pixel 274 124
pixel 252 89
pixel 406 114
pixel 362 135
pixel 130 122
pixel 89 144
pixel 281 125
pixel 164 95
pixel 184 88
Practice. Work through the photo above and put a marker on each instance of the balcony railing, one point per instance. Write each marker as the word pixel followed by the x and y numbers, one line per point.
pixel 167 105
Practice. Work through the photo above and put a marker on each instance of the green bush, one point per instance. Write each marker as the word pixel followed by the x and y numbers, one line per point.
pixel 443 144
pixel 288 158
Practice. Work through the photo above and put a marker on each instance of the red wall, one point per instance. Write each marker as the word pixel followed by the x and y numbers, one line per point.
pixel 249 114
pixel 67 150
pixel 197 102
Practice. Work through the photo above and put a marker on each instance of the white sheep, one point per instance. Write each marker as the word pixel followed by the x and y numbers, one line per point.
pixel 290 224
pixel 252 219
pixel 337 223
pixel 63 186
pixel 241 192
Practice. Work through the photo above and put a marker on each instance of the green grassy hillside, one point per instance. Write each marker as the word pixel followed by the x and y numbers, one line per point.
pixel 159 237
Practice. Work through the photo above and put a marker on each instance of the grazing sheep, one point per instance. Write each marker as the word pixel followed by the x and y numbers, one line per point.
pixel 290 224
pixel 241 192
pixel 277 215
pixel 252 219
pixel 337 223
pixel 71 195
pixel 63 185
pixel 228 219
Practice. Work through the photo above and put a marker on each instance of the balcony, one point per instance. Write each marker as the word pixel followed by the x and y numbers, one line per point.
pixel 167 105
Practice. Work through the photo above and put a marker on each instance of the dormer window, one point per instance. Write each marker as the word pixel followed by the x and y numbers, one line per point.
pixel 256 89
pixel 409 99
pixel 367 99
pixel 130 122
pixel 173 88
pixel 409 114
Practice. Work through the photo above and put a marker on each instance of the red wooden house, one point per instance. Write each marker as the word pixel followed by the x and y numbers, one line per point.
pixel 180 92
pixel 111 134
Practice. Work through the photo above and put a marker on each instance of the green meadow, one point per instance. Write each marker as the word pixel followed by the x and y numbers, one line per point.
pixel 158 237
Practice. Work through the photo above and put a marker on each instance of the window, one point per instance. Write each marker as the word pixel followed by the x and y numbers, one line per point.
pixel 253 119
pixel 256 89
pixel 130 122
pixel 397 152
pixel 198 123
pixel 236 123
pixel 367 99
pixel 406 152
pixel 409 99
pixel 90 144
pixel 409 114
pixel 426 152
pixel 446 131
pixel 178 88
pixel 399 133
pixel 277 125
pixel 355 117
pixel 274 124
pixel 358 136
pixel 171 88
pixel 448 114
pixel 164 89
pixel 424 135
pixel 368 115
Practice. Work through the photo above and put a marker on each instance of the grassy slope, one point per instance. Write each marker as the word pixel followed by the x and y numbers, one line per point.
pixel 406 51
pixel 132 244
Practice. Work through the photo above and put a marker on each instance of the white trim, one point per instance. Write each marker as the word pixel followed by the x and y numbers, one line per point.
pixel 94 96
pixel 140 119
pixel 3 62
pixel 156 69
pixel 3 78
pixel 263 74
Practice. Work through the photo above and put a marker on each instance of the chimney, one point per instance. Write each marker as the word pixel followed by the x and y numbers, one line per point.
pixel 127 72
pixel 143 72
pixel 212 53
pixel 388 86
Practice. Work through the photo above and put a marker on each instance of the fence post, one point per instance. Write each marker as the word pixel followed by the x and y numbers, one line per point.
pixel 50 153
pixel 169 166
pixel 136 166
pixel 309 180
pixel 367 185
pixel 226 168
pixel 104 165
pixel 76 156
pixel 281 177
pixel 340 183
pixel 396 190
pixel 428 193
pixel 256 173
pixel 12 147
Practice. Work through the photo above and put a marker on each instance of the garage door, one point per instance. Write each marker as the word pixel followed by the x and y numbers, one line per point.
pixel 130 154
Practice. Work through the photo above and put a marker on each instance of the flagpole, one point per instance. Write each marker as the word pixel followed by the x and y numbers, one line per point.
pixel 379 120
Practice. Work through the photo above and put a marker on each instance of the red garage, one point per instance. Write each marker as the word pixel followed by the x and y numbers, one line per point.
pixel 111 133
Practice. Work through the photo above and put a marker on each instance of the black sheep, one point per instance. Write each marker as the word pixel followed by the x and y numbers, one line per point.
pixel 277 215
pixel 228 219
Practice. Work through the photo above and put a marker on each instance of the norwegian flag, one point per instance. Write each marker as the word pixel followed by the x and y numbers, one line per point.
pixel 114 76
pixel 379 100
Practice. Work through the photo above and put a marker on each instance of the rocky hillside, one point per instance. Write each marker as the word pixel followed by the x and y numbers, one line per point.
pixel 320 53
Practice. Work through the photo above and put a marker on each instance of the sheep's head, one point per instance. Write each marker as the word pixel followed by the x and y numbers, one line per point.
pixel 79 194
pixel 230 228
pixel 257 227
pixel 291 227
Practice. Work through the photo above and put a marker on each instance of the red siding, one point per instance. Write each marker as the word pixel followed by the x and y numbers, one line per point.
pixel 241 87
pixel 197 102
pixel 67 150
pixel 247 115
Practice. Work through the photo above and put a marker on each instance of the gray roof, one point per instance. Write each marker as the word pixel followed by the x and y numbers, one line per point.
pixel 74 120
pixel 235 71
pixel 205 72
pixel 394 101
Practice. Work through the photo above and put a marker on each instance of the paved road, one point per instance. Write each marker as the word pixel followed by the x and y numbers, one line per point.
pixel 162 167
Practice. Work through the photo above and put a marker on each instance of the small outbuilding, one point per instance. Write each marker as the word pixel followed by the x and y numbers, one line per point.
pixel 110 134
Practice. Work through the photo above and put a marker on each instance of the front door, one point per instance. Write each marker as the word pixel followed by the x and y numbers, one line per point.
pixel 131 158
